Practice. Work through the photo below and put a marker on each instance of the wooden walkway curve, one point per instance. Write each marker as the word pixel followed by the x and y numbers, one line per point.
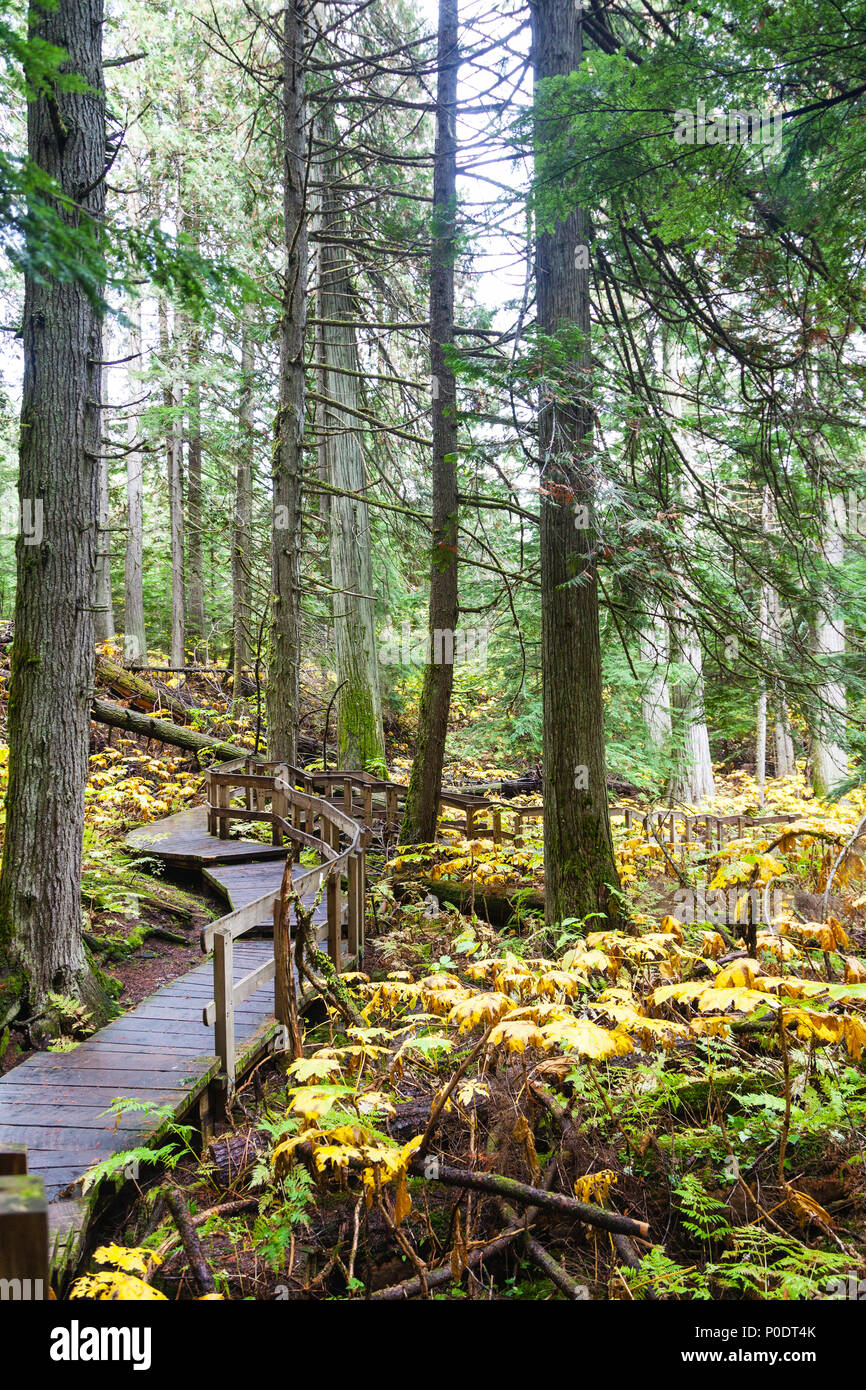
pixel 206 1027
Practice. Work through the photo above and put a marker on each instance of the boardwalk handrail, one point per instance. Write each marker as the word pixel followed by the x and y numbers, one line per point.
pixel 290 809
pixel 677 825
pixel 295 812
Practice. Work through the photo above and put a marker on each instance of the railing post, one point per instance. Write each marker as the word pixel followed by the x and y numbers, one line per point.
pixel 24 1236
pixel 279 807
pixel 223 799
pixel 13 1160
pixel 209 797
pixel 335 933
pixel 223 993
pixel 356 907
pixel 497 826
pixel 282 965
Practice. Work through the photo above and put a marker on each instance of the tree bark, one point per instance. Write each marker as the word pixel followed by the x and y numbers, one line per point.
pixel 579 864
pixel 655 697
pixel 693 780
pixel 285 636
pixel 425 782
pixel 243 512
pixel 103 607
pixel 196 620
pixel 829 757
pixel 174 465
pixel 52 658
pixel 134 634
pixel 360 737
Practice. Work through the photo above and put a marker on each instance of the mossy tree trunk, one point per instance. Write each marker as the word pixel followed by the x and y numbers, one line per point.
pixel 360 739
pixel 579 864
pixel 425 782
pixel 243 512
pixel 53 650
pixel 134 634
pixel 285 637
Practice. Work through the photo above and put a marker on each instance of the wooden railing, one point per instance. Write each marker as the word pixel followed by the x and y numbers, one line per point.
pixel 302 807
pixel 306 821
pixel 369 799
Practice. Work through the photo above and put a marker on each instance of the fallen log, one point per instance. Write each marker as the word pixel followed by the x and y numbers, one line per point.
pixel 513 1191
pixel 497 908
pixel 554 1270
pixel 191 1243
pixel 164 731
pixel 234 1156
pixel 130 685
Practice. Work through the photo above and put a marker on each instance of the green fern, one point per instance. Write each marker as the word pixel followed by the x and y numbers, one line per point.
pixel 704 1216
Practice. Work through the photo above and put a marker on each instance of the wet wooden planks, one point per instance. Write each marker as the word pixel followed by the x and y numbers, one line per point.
pixel 183 840
pixel 160 1052
pixel 243 883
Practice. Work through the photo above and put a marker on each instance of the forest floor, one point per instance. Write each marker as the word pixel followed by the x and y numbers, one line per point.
pixel 659 1110
pixel 474 1111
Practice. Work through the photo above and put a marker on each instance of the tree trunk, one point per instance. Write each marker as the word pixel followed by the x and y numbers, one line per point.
pixel 285 636
pixel 829 758
pixel 761 744
pixel 360 738
pixel 103 607
pixel 425 782
pixel 579 864
pixel 134 634
pixel 655 697
pixel 693 780
pixel 784 763
pixel 196 621
pixel 174 465
pixel 243 513
pixel 52 659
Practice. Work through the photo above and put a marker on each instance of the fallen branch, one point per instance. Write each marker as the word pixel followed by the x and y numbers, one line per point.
pixel 164 731
pixel 191 1243
pixel 522 1193
pixel 554 1270
pixel 435 1278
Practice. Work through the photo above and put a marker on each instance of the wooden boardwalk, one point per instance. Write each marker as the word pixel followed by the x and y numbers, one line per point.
pixel 160 1052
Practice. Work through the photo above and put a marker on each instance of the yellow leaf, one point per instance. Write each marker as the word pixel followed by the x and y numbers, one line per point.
pixel 855 971
pixel 311 1102
pixel 712 945
pixel 402 1200
pixel 740 972
pixel 517 1037
pixel 113 1285
pixel 587 1039
pixel 823 1028
pixel 480 1008
pixel 595 1187
pixel 133 1260
pixel 855 1035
